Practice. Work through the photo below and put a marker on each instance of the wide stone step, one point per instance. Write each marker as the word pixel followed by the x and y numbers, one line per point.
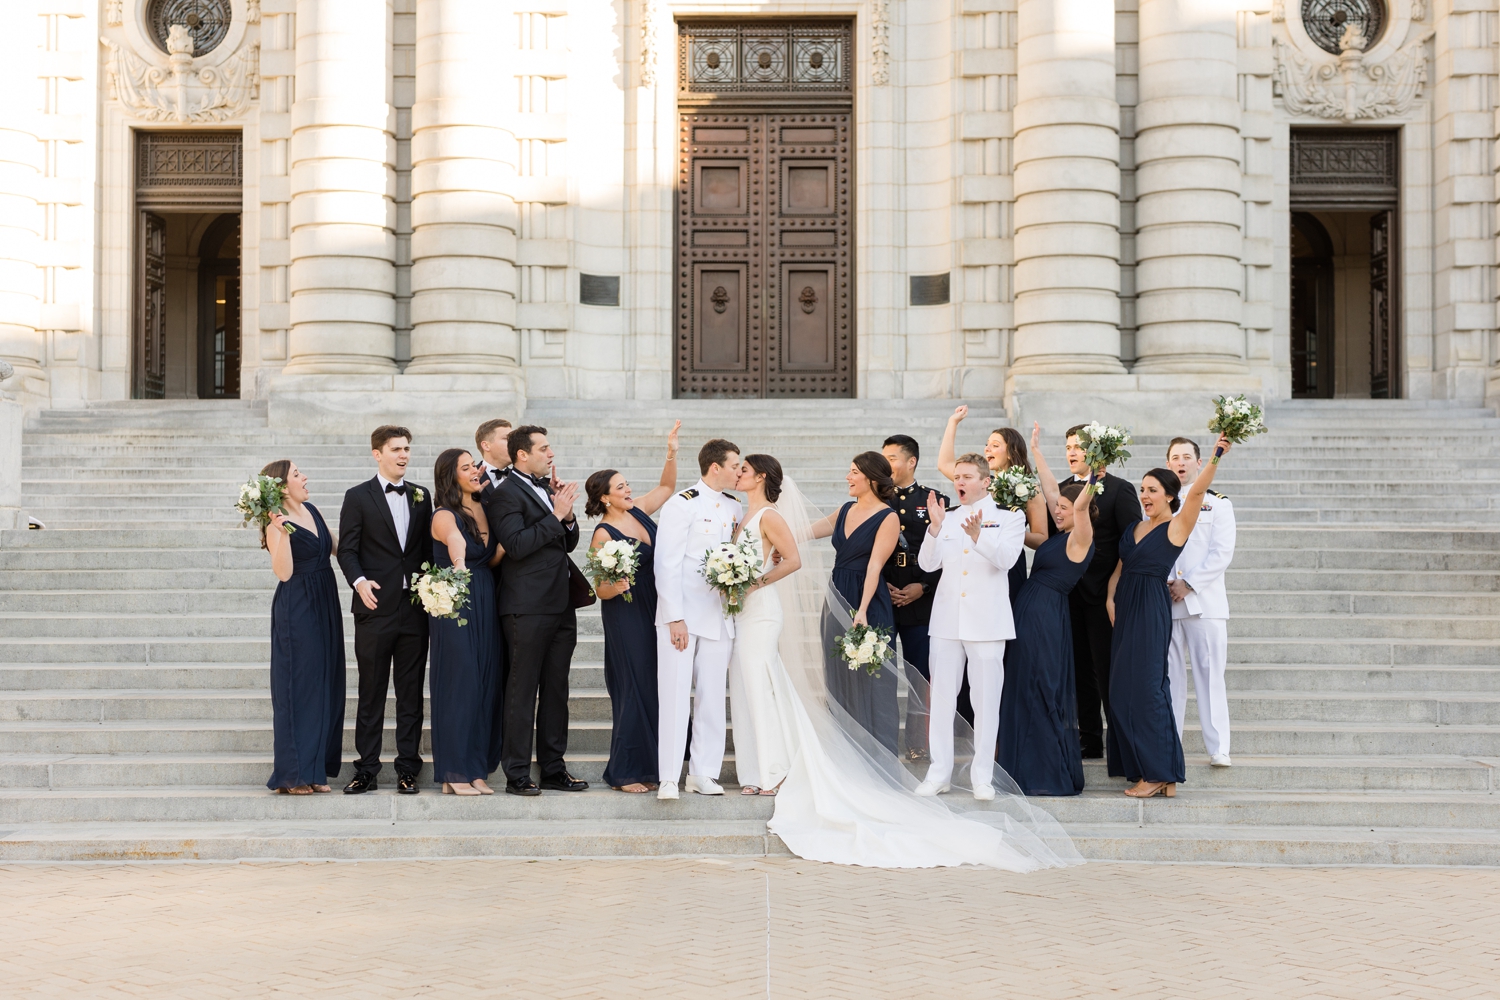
pixel 1412 681
pixel 1295 845
pixel 1393 581
pixel 1400 561
pixel 139 580
pixel 1365 652
pixel 1408 627
pixel 1264 602
pixel 1249 706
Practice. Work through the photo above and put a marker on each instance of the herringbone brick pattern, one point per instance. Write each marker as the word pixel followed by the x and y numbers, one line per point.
pixel 709 928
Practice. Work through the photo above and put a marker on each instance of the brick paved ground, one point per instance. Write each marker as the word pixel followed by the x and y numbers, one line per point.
pixel 706 929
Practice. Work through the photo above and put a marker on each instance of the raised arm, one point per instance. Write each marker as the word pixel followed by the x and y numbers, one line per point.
pixel 1186 518
pixel 519 539
pixel 651 502
pixel 1048 481
pixel 947 456
pixel 1082 535
pixel 885 543
pixel 1220 554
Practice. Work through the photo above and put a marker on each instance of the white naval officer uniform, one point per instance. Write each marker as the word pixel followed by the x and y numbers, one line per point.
pixel 970 620
pixel 691 522
pixel 1200 622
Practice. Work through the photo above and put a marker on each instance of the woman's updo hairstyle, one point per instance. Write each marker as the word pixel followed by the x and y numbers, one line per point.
pixel 595 489
pixel 1073 491
pixel 279 469
pixel 1170 485
pixel 877 470
pixel 765 465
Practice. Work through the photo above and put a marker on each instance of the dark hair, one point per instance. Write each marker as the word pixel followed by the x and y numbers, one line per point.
pixel 1015 447
pixel 279 469
pixel 384 433
pixel 1074 430
pixel 877 470
pixel 713 453
pixel 483 431
pixel 906 443
pixel 1072 491
pixel 594 489
pixel 767 466
pixel 1170 484
pixel 519 440
pixel 446 493
pixel 1177 441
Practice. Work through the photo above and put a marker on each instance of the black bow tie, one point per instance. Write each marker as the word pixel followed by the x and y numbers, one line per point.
pixel 542 482
pixel 393 488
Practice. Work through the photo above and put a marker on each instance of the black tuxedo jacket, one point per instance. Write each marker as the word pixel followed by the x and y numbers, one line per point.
pixel 534 573
pixel 1115 511
pixel 369 547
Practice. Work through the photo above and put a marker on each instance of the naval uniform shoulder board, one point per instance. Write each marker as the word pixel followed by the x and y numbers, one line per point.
pixel 1217 494
pixel 731 496
pixel 688 494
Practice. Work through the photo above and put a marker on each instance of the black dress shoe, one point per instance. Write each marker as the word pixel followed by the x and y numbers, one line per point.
pixel 524 787
pixel 406 784
pixel 1089 753
pixel 564 782
pixel 361 783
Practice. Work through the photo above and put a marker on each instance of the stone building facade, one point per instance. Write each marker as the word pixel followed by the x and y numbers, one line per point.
pixel 361 207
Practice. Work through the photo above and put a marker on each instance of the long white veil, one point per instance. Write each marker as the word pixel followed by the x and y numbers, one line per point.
pixel 848 798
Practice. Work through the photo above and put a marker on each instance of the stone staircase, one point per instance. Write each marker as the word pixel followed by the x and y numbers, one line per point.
pixel 135 720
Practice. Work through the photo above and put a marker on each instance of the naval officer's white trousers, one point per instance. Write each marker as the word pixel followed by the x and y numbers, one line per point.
pixel 986 666
pixel 693 679
pixel 1205 641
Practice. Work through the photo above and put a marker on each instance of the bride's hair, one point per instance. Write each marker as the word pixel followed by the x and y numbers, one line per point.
pixel 765 465
pixel 878 471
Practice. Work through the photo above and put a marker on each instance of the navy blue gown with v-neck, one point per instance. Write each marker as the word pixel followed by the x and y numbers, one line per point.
pixel 307 664
pixel 870 701
pixel 463 670
pixel 1142 740
pixel 630 667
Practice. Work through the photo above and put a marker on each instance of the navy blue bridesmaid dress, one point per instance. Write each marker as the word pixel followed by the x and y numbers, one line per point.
pixel 630 667
pixel 870 701
pixel 1038 707
pixel 463 671
pixel 307 665
pixel 1142 741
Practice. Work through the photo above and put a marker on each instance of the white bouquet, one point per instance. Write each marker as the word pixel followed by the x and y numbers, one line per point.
pixel 1238 419
pixel 865 646
pixel 614 561
pixel 1014 488
pixel 260 497
pixel 731 568
pixel 1103 446
pixel 442 591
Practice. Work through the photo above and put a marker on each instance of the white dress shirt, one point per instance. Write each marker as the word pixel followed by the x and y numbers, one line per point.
pixel 492 472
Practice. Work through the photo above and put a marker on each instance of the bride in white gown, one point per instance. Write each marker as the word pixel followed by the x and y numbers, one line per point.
pixel 841 796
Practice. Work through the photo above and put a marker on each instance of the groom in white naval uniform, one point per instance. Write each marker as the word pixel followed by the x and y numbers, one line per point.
pixel 1200 609
pixel 693 635
pixel 975 545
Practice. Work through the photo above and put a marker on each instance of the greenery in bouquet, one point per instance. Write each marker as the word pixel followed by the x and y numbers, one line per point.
pixel 1237 419
pixel 1103 445
pixel 865 646
pixel 732 568
pixel 260 497
pixel 441 591
pixel 1014 488
pixel 615 560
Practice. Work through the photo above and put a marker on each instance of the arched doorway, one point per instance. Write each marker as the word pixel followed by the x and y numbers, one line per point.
pixel 1312 308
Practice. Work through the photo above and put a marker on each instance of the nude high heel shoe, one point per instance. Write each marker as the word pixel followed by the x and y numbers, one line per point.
pixel 1151 789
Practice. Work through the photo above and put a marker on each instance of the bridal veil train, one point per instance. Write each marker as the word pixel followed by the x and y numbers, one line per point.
pixel 846 798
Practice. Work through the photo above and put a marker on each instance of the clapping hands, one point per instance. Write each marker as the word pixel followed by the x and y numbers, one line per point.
pixel 563 499
pixel 973 523
pixel 935 512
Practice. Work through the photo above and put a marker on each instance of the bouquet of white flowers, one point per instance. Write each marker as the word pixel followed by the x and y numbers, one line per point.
pixel 1013 488
pixel 864 646
pixel 441 590
pixel 1103 446
pixel 730 568
pixel 260 497
pixel 1238 419
pixel 614 561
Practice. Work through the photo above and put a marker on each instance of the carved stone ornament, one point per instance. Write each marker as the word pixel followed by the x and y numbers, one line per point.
pixel 1278 11
pixel 880 42
pixel 252 11
pixel 650 42
pixel 114 12
pixel 177 92
pixel 1349 88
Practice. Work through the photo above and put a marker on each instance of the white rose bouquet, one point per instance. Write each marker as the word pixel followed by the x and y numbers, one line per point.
pixel 731 568
pixel 1103 445
pixel 442 591
pixel 864 646
pixel 1238 419
pixel 1014 488
pixel 260 497
pixel 614 561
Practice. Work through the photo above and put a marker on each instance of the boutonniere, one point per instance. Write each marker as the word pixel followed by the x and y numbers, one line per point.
pixel 417 495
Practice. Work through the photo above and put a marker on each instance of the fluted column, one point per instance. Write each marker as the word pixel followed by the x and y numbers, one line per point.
pixel 1189 281
pixel 343 246
pixel 1067 189
pixel 20 215
pixel 463 242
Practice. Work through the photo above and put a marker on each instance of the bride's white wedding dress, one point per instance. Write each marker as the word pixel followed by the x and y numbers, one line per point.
pixel 846 799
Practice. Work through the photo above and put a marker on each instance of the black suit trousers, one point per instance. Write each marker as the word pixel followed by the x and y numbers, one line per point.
pixel 386 646
pixel 539 653
pixel 1092 634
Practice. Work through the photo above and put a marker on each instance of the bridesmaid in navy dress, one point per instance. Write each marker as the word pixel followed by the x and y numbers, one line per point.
pixel 307 643
pixel 630 626
pixel 463 673
pixel 1142 740
pixel 865 532
pixel 1038 707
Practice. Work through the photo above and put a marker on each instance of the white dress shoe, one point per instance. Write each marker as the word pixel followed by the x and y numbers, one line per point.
pixel 1219 760
pixel 930 788
pixel 984 793
pixel 702 785
pixel 667 790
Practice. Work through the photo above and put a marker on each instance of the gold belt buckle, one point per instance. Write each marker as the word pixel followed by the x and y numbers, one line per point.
pixel 901 559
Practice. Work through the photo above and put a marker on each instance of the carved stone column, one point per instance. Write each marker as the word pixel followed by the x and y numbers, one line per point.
pixel 342 276
pixel 1067 188
pixel 463 242
pixel 20 215
pixel 1189 281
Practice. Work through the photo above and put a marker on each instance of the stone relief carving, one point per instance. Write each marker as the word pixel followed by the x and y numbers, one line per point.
pixel 252 11
pixel 650 42
pixel 1419 10
pixel 114 12
pixel 1278 11
pixel 1349 88
pixel 177 92
pixel 880 42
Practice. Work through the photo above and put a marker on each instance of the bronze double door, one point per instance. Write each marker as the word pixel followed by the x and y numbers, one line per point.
pixel 764 266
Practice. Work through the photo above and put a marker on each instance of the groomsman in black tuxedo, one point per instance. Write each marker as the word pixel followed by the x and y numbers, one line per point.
pixel 493 455
pixel 384 537
pixel 533 520
pixel 1115 512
